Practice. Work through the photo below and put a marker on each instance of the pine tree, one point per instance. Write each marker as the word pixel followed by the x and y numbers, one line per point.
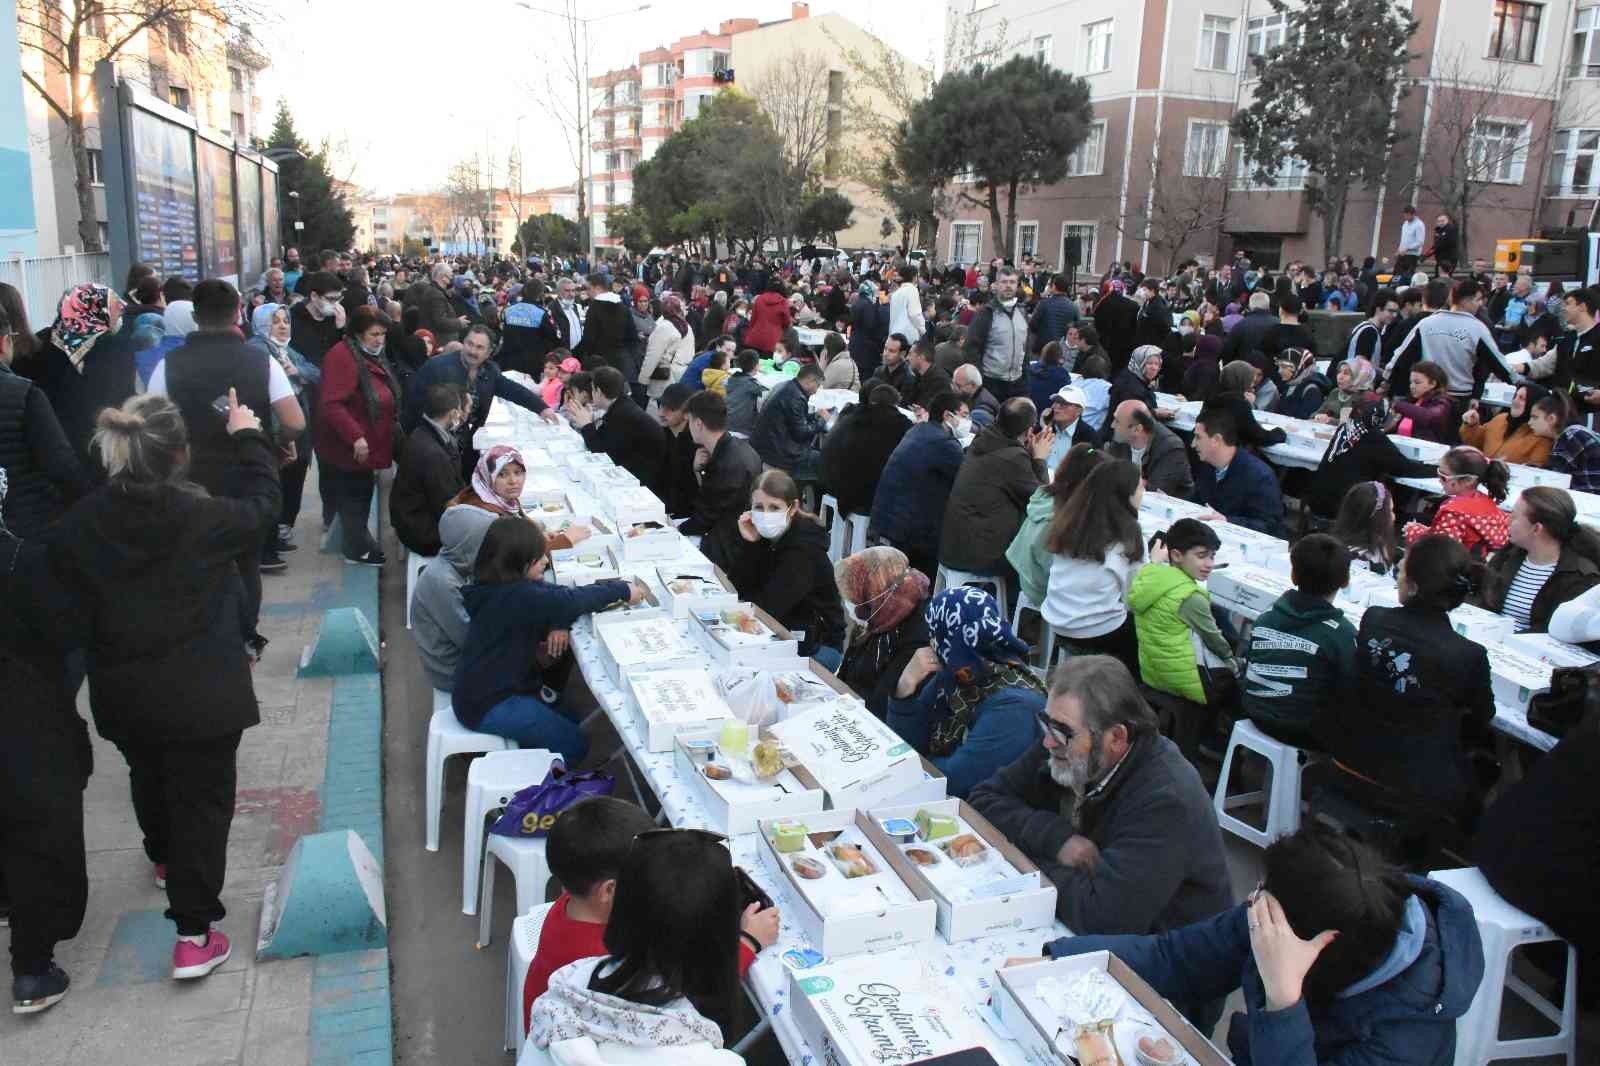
pixel 328 222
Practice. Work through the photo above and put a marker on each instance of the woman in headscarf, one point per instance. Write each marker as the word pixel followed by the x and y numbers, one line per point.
pixel 1360 451
pixel 495 491
pixel 670 348
pixel 90 365
pixel 1354 380
pixel 968 701
pixel 1236 391
pixel 869 329
pixel 1200 377
pixel 356 427
pixel 883 599
pixel 1507 435
pixel 271 327
pixel 1137 381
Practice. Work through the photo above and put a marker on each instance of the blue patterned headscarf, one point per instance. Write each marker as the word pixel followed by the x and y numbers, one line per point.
pixel 969 633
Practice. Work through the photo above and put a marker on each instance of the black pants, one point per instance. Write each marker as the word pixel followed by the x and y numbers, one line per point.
pixel 42 865
pixel 1004 390
pixel 1404 267
pixel 351 494
pixel 293 480
pixel 183 796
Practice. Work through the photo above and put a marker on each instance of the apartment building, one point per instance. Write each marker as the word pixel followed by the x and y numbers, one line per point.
pixel 385 224
pixel 197 64
pixel 1510 86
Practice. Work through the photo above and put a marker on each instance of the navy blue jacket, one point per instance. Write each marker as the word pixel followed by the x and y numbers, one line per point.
pixel 1043 383
pixel 446 369
pixel 1408 1020
pixel 506 622
pixel 697 366
pixel 908 508
pixel 1247 495
pixel 1005 727
pixel 1051 319
pixel 785 428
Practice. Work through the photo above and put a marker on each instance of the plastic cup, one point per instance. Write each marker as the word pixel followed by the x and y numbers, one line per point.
pixel 735 737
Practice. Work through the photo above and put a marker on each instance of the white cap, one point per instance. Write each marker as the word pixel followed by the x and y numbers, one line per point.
pixel 1071 394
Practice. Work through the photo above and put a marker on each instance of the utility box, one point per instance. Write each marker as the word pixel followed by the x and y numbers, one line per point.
pixel 1545 258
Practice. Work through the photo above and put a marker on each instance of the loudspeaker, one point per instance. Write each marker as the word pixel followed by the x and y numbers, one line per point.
pixel 1072 254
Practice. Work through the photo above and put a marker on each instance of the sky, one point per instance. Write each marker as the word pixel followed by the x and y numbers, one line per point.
pixel 412 86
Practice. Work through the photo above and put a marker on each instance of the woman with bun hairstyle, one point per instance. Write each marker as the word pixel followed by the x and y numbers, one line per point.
pixel 1424 698
pixel 1473 485
pixel 150 557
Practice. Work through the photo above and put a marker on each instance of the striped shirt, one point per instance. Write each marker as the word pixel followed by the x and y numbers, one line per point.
pixel 1524 587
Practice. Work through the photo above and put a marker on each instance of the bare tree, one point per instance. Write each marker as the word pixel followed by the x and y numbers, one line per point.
pixel 483 200
pixel 463 192
pixel 793 93
pixel 1180 206
pixel 881 88
pixel 72 37
pixel 514 195
pixel 567 78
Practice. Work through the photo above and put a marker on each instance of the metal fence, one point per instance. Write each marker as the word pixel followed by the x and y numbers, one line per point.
pixel 43 279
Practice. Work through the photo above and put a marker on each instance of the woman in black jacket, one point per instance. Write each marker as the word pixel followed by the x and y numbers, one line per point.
pixel 779 562
pixel 151 557
pixel 1360 451
pixel 858 447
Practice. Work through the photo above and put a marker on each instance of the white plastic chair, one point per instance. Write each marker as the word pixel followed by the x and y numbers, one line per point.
pixel 492 780
pixel 519 956
pixel 1282 792
pixel 1047 653
pixel 950 578
pixel 414 564
pixel 530 870
pixel 828 511
pixel 447 737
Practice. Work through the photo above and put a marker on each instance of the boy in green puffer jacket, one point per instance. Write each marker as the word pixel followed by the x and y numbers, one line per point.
pixel 1172 616
pixel 1303 648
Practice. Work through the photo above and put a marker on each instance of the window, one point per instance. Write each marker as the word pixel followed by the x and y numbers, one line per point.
pixel 236 79
pixel 1097 46
pixel 658 75
pixel 95 23
pixel 1044 48
pixel 1499 151
pixel 1090 156
pixel 967 177
pixel 1027 238
pixel 965 238
pixel 1585 61
pixel 1203 151
pixel 178 97
pixel 1216 43
pixel 177 38
pixel 720 61
pixel 1264 33
pixel 96 162
pixel 238 126
pixel 1083 232
pixel 1514 33
pixel 1572 162
pixel 1290 175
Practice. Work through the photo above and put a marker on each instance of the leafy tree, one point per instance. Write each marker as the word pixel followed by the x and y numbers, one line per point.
pixel 329 223
pixel 917 204
pixel 1327 96
pixel 822 214
pixel 628 224
pixel 551 235
pixel 1008 127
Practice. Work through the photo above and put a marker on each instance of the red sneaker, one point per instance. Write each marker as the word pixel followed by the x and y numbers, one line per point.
pixel 161 875
pixel 191 960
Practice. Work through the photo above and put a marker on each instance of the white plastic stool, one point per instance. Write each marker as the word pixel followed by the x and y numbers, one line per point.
pixel 948 578
pixel 525 858
pixel 858 533
pixel 828 511
pixel 519 956
pixel 1282 794
pixel 1048 652
pixel 447 737
pixel 414 564
pixel 492 780
pixel 1503 929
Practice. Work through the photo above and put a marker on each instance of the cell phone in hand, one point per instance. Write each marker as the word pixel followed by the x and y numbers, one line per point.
pixel 749 891
pixel 220 405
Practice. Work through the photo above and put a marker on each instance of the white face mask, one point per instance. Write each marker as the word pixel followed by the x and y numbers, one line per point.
pixel 770 524
pixel 963 426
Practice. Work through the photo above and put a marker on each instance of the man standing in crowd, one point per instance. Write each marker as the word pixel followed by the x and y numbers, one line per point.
pixel 905 307
pixel 1053 314
pixel 436 313
pixel 565 318
pixel 1459 342
pixel 1446 250
pixel 1412 233
pixel 608 329
pixel 472 368
pixel 997 340
pixel 317 322
pixel 1116 317
pixel 1163 461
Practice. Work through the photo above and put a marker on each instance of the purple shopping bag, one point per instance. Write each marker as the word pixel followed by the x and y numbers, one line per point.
pixel 533 810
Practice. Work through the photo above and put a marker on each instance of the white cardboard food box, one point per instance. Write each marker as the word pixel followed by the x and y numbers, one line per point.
pixel 1485 627
pixel 659 643
pixel 537 491
pixel 647 542
pixel 1516 678
pixel 561 445
pixel 1547 649
pixel 837 925
pixel 583 565
pixel 1013 999
pixel 858 760
pixel 738 803
pixel 1258 549
pixel 729 646
pixel 669 702
pixel 1426 451
pixel 892 1008
pixel 597 479
pixel 575 463
pixel 1523 476
pixel 1171 508
pixel 1248 589
pixel 647 607
pixel 1029 903
pixel 630 504
pixel 699 584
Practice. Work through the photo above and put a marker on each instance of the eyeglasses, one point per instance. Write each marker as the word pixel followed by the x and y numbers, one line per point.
pixel 1445 475
pixel 1060 732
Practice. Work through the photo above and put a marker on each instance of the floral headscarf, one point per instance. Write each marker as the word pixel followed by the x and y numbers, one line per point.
pixel 882 586
pixel 672 311
pixel 1362 374
pixel 1368 418
pixel 980 656
pixel 83 317
pixel 490 463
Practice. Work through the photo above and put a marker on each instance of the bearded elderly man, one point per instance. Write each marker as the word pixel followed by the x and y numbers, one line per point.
pixel 1110 810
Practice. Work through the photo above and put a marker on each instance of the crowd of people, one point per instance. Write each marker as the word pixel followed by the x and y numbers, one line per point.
pixel 1006 426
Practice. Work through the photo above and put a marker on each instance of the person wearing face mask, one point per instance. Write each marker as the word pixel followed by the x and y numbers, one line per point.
pixel 436 311
pixel 725 466
pixel 318 321
pixel 997 340
pixel 357 415
pixel 778 560
pixel 884 599
pixel 430 470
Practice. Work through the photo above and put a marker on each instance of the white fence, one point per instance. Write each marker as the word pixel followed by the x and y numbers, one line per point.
pixel 43 280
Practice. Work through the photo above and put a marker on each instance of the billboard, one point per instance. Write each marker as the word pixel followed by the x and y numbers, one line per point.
pixel 219 237
pixel 166 232
pixel 269 211
pixel 252 249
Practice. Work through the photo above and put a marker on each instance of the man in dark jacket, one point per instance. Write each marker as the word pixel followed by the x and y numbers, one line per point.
pixel 317 322
pixel 869 330
pixel 1253 332
pixel 1004 468
pixel 727 468
pixel 787 432
pixel 678 482
pixel 1162 458
pixel 618 427
pixel 1110 810
pixel 528 333
pixel 436 312
pixel 1116 317
pixel 472 368
pixel 931 380
pixel 1154 322
pixel 857 449
pixel 893 370
pixel 608 330
pixel 430 470
pixel 1232 481
pixel 743 392
pixel 1446 250
pixel 1053 315
pixel 41 466
pixel 909 504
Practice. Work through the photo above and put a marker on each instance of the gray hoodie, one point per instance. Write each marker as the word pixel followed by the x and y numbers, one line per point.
pixel 438 617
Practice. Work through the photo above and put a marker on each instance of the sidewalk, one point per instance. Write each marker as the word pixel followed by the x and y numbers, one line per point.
pixel 124 1006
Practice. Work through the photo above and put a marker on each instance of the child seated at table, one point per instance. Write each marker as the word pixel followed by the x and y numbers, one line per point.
pixel 586 849
pixel 1303 649
pixel 1467 515
pixel 1182 652
pixel 1365 526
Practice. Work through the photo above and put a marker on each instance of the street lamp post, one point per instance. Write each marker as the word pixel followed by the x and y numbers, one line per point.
pixel 299 226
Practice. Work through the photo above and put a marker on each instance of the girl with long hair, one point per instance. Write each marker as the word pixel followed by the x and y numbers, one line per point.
pixel 1474 486
pixel 1098 548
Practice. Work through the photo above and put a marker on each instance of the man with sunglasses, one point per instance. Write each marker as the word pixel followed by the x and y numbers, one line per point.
pixel 1110 810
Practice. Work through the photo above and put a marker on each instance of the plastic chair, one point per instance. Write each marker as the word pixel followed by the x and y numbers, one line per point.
pixel 857 526
pixel 828 511
pixel 1048 652
pixel 492 780
pixel 447 737
pixel 519 956
pixel 1504 929
pixel 414 564
pixel 525 858
pixel 1282 792
pixel 948 578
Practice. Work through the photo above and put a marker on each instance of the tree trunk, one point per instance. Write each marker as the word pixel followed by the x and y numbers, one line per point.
pixel 88 220
pixel 997 241
pixel 1334 199
pixel 1011 223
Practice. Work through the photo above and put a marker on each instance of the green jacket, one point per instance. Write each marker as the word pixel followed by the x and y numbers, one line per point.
pixel 1169 609
pixel 1027 552
pixel 1302 658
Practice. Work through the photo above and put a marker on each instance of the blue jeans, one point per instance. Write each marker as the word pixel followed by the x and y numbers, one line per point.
pixel 828 658
pixel 535 724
